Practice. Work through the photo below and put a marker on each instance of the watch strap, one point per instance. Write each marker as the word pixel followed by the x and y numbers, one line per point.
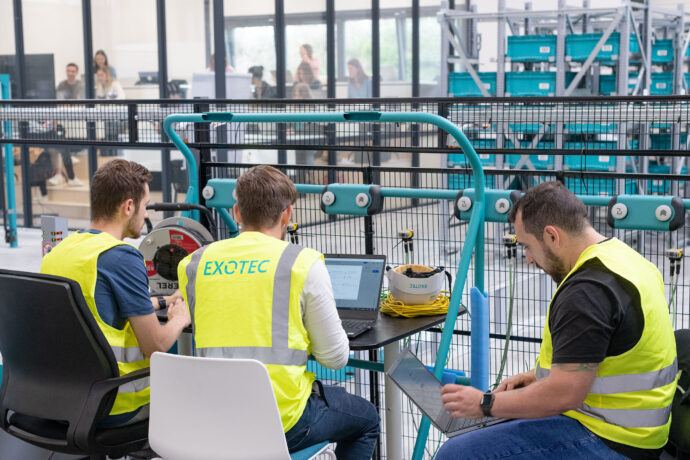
pixel 161 302
pixel 487 403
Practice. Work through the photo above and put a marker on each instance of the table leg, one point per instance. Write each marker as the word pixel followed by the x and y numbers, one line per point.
pixel 393 399
pixel 184 344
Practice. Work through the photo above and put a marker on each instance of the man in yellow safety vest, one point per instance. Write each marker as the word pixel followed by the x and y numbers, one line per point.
pixel 257 296
pixel 112 276
pixel 606 372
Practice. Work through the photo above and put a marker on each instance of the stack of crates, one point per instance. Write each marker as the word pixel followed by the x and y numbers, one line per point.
pixel 532 48
pixel 578 47
pixel 595 186
pixel 534 84
pixel 663 141
pixel 662 84
pixel 662 51
pixel 461 84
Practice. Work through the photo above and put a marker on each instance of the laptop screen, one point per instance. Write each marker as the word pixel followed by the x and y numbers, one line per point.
pixel 356 280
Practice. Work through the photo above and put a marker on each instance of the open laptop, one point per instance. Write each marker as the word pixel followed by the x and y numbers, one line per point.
pixel 420 385
pixel 357 281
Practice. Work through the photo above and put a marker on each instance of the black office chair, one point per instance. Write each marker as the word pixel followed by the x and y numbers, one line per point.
pixel 679 436
pixel 60 376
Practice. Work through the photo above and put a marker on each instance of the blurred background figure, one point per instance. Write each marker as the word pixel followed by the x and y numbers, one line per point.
pixel 72 87
pixel 301 91
pixel 305 75
pixel 100 61
pixel 260 89
pixel 107 87
pixel 359 83
pixel 306 52
pixel 212 65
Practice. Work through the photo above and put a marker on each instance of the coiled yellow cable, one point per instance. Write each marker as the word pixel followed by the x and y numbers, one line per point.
pixel 394 307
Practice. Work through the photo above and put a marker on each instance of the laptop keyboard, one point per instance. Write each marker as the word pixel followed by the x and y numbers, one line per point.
pixel 355 327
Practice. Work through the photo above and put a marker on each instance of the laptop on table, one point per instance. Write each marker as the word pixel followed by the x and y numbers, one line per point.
pixel 356 281
pixel 424 389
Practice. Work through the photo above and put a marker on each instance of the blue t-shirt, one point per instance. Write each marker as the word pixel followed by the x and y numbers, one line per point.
pixel 122 291
pixel 122 286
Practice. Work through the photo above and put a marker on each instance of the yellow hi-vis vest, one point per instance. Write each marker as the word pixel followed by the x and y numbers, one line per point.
pixel 76 257
pixel 243 295
pixel 630 399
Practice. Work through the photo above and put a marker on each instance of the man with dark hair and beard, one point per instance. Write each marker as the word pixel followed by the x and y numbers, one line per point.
pixel 606 373
pixel 112 276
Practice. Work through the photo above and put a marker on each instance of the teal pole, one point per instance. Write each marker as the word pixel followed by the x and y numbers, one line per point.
pixel 9 170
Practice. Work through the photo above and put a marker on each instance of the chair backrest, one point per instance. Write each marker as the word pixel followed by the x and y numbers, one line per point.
pixel 680 416
pixel 213 408
pixel 52 348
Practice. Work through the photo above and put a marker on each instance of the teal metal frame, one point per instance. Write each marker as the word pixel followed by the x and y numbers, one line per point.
pixel 475 232
pixel 9 169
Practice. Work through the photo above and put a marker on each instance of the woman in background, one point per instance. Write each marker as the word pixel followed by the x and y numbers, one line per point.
pixel 107 87
pixel 306 76
pixel 359 83
pixel 306 52
pixel 262 90
pixel 100 61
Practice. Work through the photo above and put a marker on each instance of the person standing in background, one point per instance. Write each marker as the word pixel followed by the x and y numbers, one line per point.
pixel 70 88
pixel 100 61
pixel 359 83
pixel 262 90
pixel 306 52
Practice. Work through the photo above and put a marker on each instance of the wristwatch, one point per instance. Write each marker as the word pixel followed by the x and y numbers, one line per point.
pixel 161 302
pixel 487 402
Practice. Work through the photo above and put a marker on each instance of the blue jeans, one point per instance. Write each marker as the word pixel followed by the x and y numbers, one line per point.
pixel 557 437
pixel 337 416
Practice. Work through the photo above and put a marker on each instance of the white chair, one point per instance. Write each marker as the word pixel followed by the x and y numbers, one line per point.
pixel 212 408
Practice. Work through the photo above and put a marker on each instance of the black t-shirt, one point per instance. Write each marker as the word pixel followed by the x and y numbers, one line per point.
pixel 596 314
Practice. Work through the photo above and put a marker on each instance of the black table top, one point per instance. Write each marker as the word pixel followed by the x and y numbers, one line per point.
pixel 387 329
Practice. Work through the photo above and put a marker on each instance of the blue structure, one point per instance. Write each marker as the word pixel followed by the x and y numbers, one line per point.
pixel 9 170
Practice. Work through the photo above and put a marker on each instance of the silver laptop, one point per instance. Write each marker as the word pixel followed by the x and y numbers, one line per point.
pixel 356 281
pixel 420 385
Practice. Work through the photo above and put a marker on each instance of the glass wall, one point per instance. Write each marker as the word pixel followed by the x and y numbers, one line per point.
pixel 126 32
pixel 305 49
pixel 353 48
pixel 189 28
pixel 250 44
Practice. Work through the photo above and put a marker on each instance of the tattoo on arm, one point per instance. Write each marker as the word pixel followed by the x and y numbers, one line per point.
pixel 577 367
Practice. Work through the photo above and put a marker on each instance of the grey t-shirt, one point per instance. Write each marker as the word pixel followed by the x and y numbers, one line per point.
pixel 70 91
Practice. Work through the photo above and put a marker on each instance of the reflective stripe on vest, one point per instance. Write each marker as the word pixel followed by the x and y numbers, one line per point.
pixel 627 383
pixel 134 386
pixel 128 354
pixel 628 418
pixel 191 282
pixel 279 352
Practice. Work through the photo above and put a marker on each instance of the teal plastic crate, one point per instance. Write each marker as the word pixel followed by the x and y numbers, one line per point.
pixel 463 181
pixel 459 159
pixel 591 128
pixel 660 186
pixel 595 186
pixel 663 141
pixel 607 84
pixel 539 161
pixel 527 128
pixel 590 162
pixel 461 84
pixel 662 51
pixel 578 47
pixel 532 48
pixel 534 84
pixel 662 84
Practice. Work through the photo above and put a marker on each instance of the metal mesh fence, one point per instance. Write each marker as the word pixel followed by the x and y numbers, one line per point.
pixel 578 141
